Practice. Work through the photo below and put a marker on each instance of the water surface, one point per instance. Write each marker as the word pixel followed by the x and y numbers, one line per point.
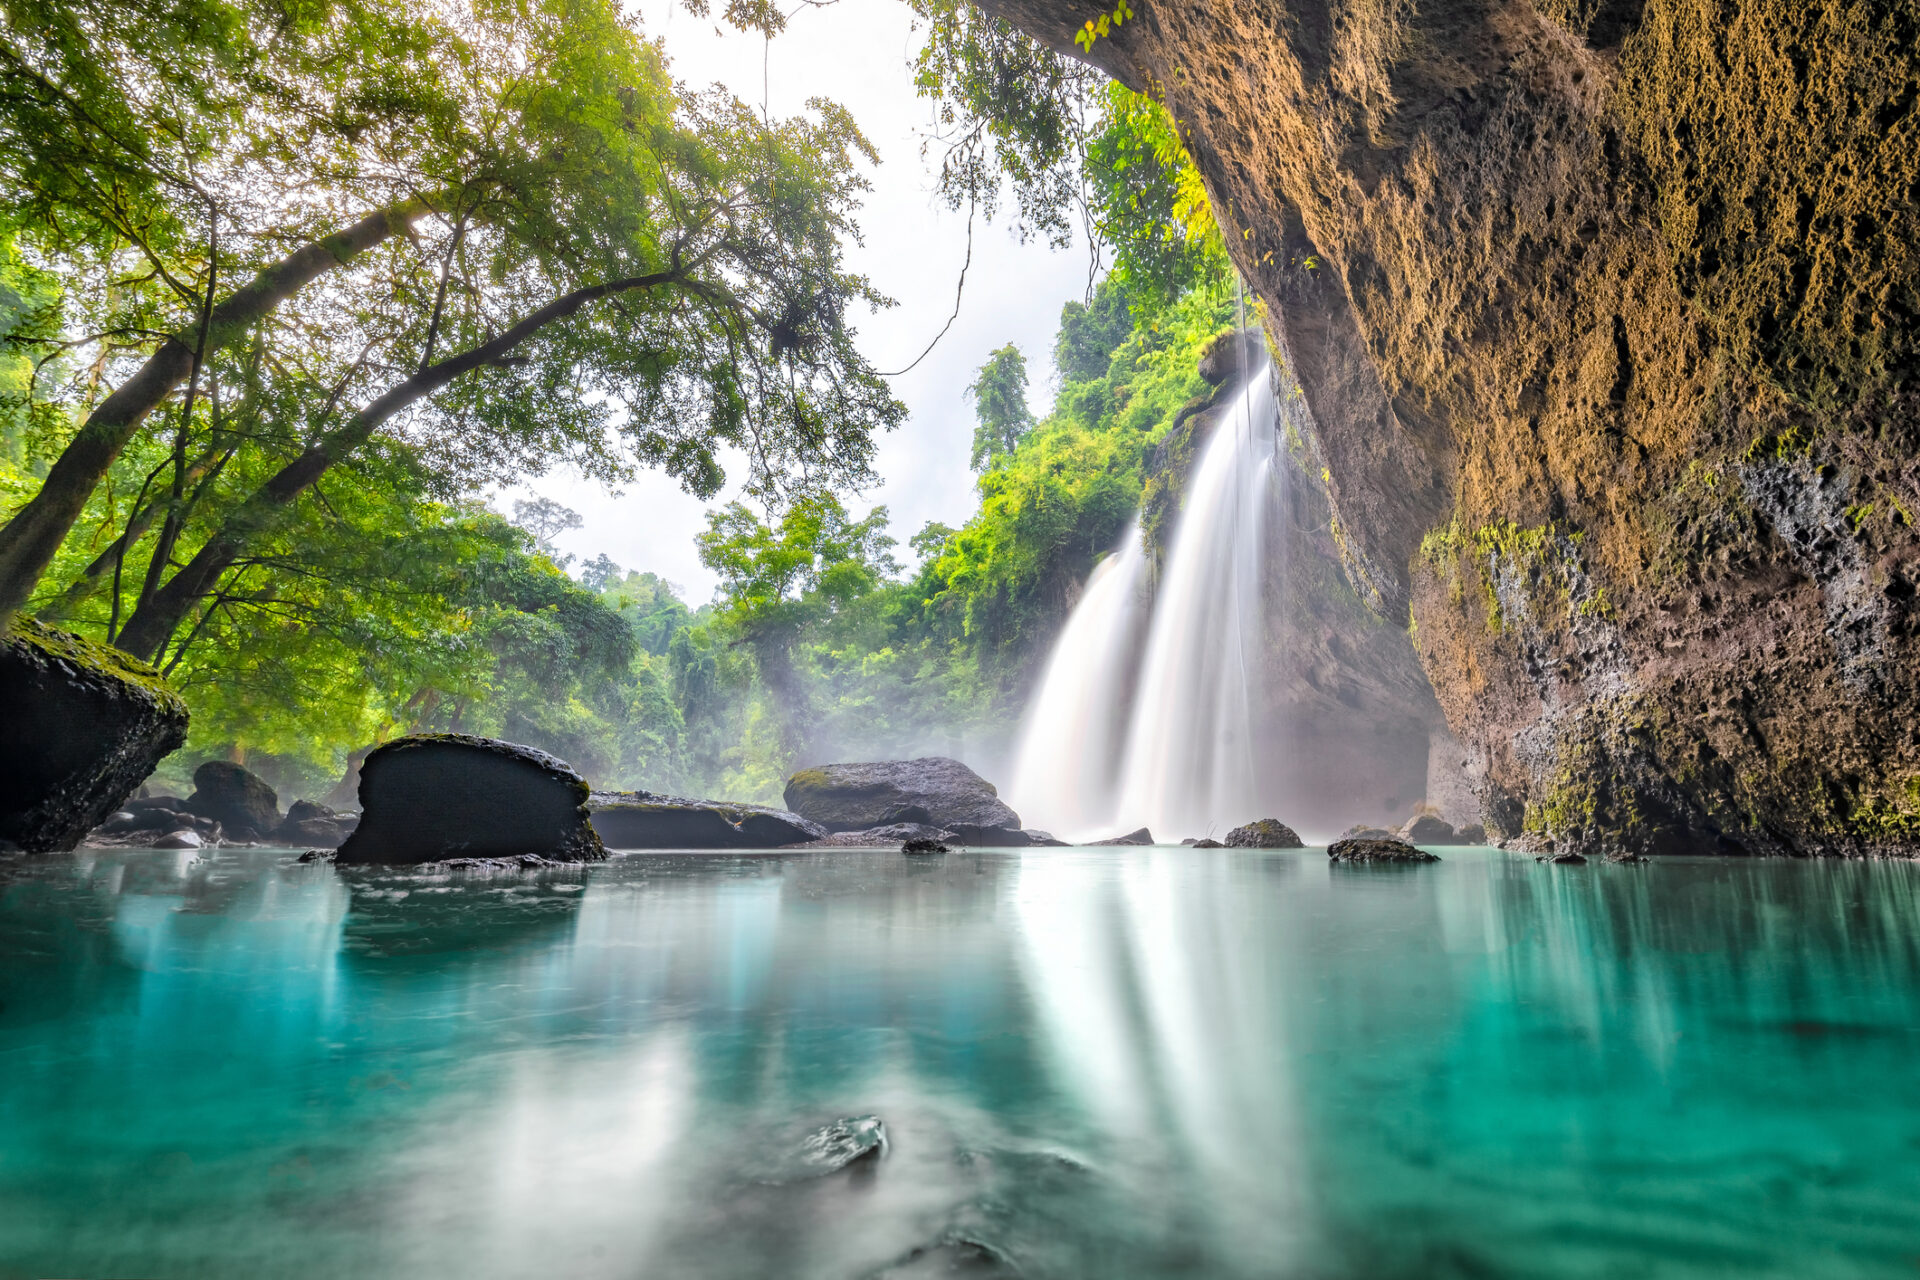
pixel 1116 1063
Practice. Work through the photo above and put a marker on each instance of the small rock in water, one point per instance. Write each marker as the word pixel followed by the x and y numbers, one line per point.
pixel 921 844
pixel 1567 859
pixel 178 840
pixel 844 1142
pixel 1142 836
pixel 1378 851
pixel 1205 842
pixel 1267 833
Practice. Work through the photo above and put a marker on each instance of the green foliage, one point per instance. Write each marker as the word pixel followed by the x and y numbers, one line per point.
pixel 999 392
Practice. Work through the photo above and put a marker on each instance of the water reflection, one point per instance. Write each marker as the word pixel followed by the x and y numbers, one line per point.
pixel 1123 1063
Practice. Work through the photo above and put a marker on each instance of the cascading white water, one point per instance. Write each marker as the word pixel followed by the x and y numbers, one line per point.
pixel 1066 766
pixel 1192 763
pixel 1188 761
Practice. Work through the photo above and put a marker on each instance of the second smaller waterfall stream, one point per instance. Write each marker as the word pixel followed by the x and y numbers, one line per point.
pixel 1118 736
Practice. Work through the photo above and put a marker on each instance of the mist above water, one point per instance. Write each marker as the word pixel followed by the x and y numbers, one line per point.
pixel 1119 735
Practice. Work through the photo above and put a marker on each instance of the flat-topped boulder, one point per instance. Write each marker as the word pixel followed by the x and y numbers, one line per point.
pixel 933 791
pixel 1427 828
pixel 1266 833
pixel 430 797
pixel 646 820
pixel 81 726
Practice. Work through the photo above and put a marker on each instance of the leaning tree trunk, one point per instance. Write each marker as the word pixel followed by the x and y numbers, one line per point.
pixel 157 618
pixel 32 537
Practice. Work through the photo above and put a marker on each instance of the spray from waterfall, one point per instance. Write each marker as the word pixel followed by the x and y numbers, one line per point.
pixel 1163 733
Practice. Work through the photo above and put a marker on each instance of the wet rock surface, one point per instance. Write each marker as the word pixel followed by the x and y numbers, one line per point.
pixel 1267 833
pixel 1377 851
pixel 647 820
pixel 921 844
pixel 431 797
pixel 931 791
pixel 310 823
pixel 84 725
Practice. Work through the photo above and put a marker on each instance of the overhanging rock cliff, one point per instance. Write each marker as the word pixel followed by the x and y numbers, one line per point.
pixel 1606 313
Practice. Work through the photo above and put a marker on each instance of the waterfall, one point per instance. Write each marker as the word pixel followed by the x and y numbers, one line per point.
pixel 1188 762
pixel 1066 766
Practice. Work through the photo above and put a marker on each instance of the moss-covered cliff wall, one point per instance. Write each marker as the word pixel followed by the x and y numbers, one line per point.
pixel 1606 312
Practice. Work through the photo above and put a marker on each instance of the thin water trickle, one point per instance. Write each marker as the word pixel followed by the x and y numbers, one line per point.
pixel 1156 726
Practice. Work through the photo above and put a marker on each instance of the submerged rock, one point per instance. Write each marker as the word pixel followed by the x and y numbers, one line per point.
pixel 834 1147
pixel 932 791
pixel 239 801
pixel 1142 836
pixel 1267 833
pixel 924 844
pixel 645 820
pixel 83 725
pixel 431 797
pixel 1426 828
pixel 1377 851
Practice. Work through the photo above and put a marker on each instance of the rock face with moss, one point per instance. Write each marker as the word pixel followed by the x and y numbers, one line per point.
pixel 1607 317
pixel 429 797
pixel 81 726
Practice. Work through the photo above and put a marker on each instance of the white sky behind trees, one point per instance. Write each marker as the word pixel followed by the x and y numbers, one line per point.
pixel 857 53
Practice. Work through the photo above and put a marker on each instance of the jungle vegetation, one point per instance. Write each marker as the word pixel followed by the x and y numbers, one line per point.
pixel 285 285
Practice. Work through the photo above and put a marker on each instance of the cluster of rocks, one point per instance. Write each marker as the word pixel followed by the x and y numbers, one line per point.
pixel 1421 828
pixel 229 805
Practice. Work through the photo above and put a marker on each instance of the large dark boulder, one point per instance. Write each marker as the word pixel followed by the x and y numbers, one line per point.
pixel 1266 833
pixel 450 795
pixel 240 801
pixel 644 820
pixel 81 726
pixel 933 791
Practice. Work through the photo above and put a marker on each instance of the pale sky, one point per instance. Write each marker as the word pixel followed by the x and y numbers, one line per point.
pixel 857 53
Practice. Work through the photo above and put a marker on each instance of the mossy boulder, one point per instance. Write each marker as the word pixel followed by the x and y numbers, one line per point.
pixel 1267 833
pixel 933 791
pixel 430 797
pixel 1388 851
pixel 84 726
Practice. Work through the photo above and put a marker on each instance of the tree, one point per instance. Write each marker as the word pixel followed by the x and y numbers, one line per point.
pixel 546 520
pixel 999 392
pixel 599 573
pixel 777 579
pixel 656 276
